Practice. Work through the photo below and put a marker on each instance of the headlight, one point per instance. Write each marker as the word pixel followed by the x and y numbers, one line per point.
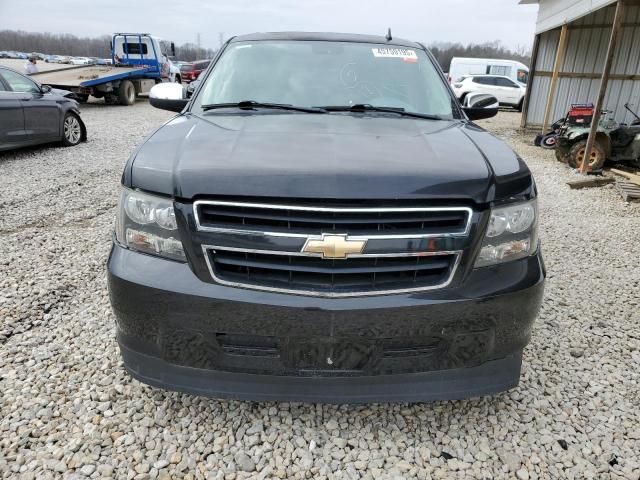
pixel 512 233
pixel 147 223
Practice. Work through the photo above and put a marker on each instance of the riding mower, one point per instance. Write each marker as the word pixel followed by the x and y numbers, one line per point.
pixel 615 141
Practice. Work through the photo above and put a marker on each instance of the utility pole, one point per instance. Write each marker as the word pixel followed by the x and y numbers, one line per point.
pixel 198 40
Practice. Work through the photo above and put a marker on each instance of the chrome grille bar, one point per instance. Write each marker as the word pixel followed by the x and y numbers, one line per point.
pixel 210 250
pixel 468 212
pixel 272 269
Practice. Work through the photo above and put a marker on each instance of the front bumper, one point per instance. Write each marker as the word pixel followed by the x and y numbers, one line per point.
pixel 178 332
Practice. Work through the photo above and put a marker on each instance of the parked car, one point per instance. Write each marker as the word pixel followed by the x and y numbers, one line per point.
pixel 4 54
pixel 460 67
pixel 80 61
pixel 56 59
pixel 302 231
pixel 508 92
pixel 190 71
pixel 193 85
pixel 32 114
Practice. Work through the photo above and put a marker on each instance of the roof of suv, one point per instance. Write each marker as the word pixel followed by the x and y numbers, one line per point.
pixel 327 37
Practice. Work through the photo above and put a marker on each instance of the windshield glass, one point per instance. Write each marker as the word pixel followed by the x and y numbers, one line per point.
pixel 315 73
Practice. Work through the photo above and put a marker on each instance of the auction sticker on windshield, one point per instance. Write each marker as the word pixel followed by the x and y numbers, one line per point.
pixel 404 53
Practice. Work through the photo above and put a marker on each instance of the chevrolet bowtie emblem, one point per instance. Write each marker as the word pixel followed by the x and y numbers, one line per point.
pixel 334 246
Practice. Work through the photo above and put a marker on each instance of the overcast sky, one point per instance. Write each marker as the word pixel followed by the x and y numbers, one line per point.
pixel 181 20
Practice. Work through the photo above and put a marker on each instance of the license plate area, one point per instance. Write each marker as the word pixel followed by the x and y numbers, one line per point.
pixel 331 354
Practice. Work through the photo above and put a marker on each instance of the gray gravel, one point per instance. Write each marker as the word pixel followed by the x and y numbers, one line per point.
pixel 69 409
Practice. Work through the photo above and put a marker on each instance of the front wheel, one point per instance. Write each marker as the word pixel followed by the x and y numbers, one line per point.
pixel 596 157
pixel 518 107
pixel 72 134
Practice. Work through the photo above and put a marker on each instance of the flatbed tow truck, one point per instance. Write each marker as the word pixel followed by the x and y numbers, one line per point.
pixel 138 63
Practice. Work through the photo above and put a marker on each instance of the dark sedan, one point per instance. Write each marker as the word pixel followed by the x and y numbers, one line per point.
pixel 32 114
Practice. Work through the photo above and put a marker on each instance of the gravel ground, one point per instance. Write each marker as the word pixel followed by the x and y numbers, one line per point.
pixel 68 409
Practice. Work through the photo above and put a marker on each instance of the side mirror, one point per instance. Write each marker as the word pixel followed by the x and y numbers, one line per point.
pixel 480 105
pixel 168 96
pixel 45 88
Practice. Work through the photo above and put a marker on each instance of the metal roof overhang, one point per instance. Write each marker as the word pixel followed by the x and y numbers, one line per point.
pixel 554 13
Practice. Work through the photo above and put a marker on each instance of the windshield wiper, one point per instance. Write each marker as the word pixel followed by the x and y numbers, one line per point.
pixel 252 105
pixel 365 107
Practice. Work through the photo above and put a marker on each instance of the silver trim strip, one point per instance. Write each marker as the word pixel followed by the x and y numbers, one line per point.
pixel 319 255
pixel 310 293
pixel 236 231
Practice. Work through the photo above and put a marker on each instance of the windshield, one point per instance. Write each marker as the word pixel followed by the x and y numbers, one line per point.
pixel 315 73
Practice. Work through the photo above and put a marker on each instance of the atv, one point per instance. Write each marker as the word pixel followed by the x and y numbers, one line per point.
pixel 614 141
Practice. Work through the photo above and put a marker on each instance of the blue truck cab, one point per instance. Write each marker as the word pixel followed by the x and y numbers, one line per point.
pixel 139 49
pixel 139 61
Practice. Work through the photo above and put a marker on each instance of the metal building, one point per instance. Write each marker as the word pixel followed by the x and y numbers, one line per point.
pixel 569 55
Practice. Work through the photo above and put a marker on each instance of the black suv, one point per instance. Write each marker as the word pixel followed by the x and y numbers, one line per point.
pixel 323 222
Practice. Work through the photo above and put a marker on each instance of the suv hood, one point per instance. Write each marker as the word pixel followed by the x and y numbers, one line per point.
pixel 325 156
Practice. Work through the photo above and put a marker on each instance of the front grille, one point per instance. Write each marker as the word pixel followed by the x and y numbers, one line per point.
pixel 314 275
pixel 265 246
pixel 352 218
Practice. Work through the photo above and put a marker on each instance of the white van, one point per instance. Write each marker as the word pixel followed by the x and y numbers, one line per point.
pixel 460 67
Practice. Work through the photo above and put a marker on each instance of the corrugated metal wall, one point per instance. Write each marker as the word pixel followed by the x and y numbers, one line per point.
pixel 587 41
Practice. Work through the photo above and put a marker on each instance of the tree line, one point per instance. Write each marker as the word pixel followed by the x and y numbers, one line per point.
pixel 67 44
pixel 71 45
